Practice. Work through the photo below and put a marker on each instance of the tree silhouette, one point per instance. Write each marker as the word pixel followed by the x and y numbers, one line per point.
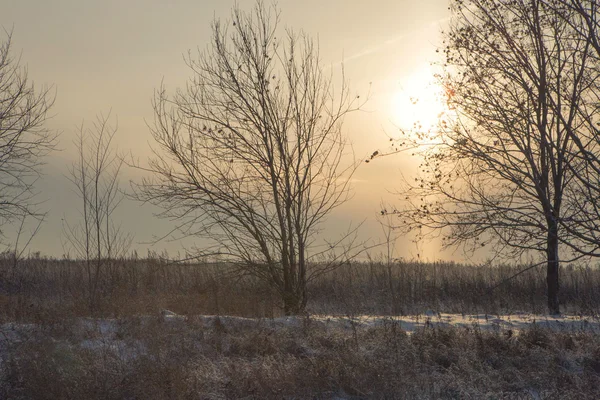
pixel 505 169
pixel 582 17
pixel 96 239
pixel 23 138
pixel 251 154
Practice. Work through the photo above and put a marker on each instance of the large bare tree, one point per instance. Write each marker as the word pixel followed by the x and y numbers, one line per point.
pixel 251 154
pixel 502 172
pixel 23 138
pixel 583 17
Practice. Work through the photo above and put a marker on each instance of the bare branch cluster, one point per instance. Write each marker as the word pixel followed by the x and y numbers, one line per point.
pixel 514 168
pixel 251 153
pixel 96 238
pixel 24 140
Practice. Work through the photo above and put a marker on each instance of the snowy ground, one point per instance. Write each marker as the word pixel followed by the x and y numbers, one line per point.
pixel 513 322
pixel 225 357
pixel 117 336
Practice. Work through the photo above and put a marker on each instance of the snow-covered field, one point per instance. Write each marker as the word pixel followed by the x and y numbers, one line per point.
pixel 109 332
pixel 322 356
pixel 514 322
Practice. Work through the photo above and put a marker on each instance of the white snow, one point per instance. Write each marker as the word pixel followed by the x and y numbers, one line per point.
pixel 481 321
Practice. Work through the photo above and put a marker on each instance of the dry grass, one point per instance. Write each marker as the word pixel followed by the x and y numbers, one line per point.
pixel 53 346
pixel 47 289
pixel 408 288
pixel 210 358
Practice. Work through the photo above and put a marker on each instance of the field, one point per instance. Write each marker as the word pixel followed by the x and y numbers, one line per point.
pixel 159 330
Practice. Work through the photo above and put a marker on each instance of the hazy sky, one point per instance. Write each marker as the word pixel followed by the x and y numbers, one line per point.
pixel 111 55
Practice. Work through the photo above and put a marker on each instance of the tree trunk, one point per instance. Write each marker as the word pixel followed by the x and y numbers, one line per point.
pixel 552 277
pixel 291 304
pixel 294 302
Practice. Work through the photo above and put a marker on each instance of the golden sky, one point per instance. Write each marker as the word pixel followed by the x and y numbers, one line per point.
pixel 111 55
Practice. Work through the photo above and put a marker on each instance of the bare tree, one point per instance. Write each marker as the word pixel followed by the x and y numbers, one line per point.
pixel 96 238
pixel 24 140
pixel 502 171
pixel 583 17
pixel 251 154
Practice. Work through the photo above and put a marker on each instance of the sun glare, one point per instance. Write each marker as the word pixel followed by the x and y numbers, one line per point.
pixel 418 102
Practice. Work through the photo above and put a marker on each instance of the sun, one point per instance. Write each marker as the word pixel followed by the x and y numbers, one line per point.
pixel 418 103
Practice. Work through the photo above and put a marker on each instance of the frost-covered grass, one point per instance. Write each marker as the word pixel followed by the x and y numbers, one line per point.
pixel 404 330
pixel 168 356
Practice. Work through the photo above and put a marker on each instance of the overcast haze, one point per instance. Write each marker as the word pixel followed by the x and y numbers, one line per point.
pixel 111 55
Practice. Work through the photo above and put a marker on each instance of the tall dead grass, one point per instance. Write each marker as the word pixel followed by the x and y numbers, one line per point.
pixel 407 288
pixel 41 288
